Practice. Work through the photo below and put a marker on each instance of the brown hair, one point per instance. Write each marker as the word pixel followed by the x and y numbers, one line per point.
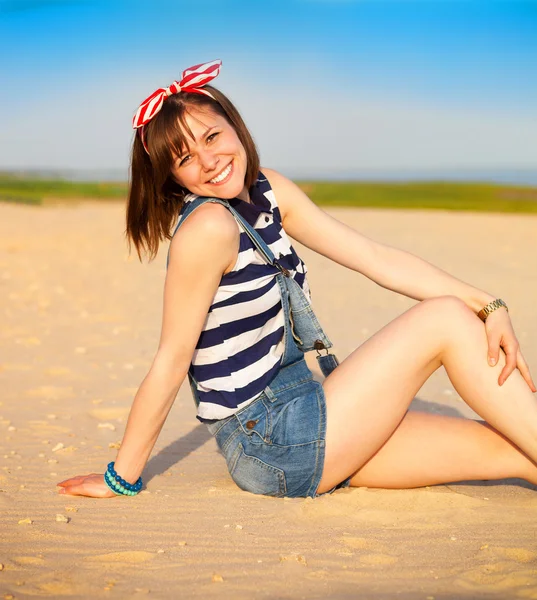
pixel 155 198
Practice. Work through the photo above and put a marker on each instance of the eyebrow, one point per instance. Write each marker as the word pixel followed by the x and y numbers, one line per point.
pixel 203 136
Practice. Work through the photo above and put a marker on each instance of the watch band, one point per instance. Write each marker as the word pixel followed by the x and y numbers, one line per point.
pixel 495 304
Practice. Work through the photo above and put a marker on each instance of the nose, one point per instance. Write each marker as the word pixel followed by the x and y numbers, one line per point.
pixel 208 160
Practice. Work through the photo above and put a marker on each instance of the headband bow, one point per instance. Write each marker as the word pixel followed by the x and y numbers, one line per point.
pixel 192 81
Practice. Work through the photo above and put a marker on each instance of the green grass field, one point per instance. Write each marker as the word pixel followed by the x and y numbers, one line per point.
pixel 435 195
pixel 44 191
pixel 428 195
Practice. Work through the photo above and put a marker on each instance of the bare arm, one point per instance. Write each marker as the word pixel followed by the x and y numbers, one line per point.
pixel 389 267
pixel 204 248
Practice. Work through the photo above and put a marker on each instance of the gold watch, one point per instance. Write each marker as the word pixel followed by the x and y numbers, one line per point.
pixel 485 312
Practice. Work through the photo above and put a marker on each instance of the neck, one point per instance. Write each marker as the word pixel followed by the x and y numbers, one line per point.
pixel 244 195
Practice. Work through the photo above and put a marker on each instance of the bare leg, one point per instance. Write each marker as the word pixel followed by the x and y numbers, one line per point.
pixel 369 393
pixel 428 449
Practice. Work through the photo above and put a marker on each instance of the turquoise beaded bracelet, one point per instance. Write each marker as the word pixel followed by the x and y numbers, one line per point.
pixel 118 485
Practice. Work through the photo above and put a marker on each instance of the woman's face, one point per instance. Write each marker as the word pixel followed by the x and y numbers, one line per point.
pixel 215 162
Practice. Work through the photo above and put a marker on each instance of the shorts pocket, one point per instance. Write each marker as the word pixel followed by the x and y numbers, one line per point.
pixel 255 421
pixel 256 476
pixel 299 416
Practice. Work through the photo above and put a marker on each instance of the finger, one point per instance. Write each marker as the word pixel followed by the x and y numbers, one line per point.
pixel 73 480
pixel 525 371
pixel 83 489
pixel 510 363
pixel 71 490
pixel 493 350
pixel 69 482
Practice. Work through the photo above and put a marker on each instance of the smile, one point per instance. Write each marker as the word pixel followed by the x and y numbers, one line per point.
pixel 223 175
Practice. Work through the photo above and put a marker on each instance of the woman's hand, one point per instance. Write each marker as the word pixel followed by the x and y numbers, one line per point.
pixel 86 485
pixel 500 334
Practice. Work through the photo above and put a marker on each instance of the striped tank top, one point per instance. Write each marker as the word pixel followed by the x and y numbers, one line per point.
pixel 241 344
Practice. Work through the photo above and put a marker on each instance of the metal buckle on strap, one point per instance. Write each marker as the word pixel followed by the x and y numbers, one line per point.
pixel 282 269
pixel 319 345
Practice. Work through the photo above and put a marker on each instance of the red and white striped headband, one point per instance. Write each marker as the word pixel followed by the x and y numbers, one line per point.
pixel 192 81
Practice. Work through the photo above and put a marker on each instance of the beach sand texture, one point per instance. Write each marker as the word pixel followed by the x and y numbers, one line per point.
pixel 79 325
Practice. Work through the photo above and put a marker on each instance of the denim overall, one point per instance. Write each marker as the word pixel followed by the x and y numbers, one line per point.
pixel 275 445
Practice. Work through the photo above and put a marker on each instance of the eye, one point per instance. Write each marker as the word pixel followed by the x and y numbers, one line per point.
pixel 211 137
pixel 185 160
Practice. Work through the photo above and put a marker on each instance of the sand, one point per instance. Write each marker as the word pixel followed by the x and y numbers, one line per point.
pixel 79 324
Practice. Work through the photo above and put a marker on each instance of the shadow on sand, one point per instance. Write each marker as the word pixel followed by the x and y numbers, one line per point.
pixel 179 449
pixel 175 452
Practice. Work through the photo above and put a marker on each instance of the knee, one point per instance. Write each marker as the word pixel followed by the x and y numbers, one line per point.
pixel 448 310
pixel 444 320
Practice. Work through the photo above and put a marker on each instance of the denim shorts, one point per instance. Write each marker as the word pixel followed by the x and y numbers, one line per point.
pixel 275 445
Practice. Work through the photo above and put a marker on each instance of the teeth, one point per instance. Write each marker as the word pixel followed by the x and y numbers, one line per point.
pixel 222 175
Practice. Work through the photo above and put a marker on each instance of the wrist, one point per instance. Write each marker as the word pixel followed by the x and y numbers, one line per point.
pixel 131 474
pixel 478 302
pixel 487 310
pixel 118 485
pixel 131 460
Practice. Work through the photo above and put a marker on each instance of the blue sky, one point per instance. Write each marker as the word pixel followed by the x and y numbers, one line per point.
pixel 326 86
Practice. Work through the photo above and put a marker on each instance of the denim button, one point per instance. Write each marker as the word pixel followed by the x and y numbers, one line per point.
pixel 251 424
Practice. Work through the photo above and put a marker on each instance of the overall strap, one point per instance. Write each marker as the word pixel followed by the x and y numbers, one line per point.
pixel 304 319
pixel 257 240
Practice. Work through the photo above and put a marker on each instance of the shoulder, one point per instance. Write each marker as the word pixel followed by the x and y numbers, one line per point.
pixel 210 218
pixel 209 236
pixel 289 197
pixel 276 180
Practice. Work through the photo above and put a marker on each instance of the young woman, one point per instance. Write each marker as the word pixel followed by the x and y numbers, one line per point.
pixel 236 303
